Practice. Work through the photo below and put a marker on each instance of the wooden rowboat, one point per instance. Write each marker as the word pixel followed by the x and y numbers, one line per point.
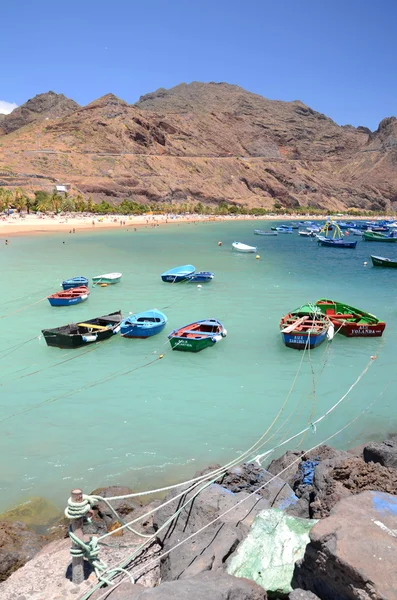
pixel 381 261
pixel 350 321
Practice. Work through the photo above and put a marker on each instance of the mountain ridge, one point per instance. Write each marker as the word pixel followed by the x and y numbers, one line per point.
pixel 207 142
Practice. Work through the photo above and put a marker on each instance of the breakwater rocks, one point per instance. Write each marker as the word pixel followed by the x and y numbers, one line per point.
pixel 321 524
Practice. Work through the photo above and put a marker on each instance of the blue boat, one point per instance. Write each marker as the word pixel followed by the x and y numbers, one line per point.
pixel 67 284
pixel 337 240
pixel 305 327
pixel 178 274
pixel 144 324
pixel 200 277
pixel 69 297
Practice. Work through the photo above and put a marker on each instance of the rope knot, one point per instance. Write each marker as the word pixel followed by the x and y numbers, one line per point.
pixel 77 510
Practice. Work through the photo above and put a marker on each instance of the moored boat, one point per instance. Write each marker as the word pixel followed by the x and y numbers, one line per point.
pixel 178 274
pixel 337 240
pixel 200 277
pixel 74 335
pixel 372 236
pixel 305 327
pixel 197 336
pixel 350 321
pixel 69 297
pixel 107 278
pixel 306 233
pixel 74 282
pixel 261 232
pixel 143 324
pixel 240 247
pixel 381 261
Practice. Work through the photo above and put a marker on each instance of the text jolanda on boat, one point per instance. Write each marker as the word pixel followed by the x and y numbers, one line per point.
pixel 305 327
pixel 350 321
pixel 197 336
pixel 143 324
pixel 74 335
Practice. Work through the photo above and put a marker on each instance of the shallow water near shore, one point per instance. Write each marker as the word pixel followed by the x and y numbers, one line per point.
pixel 114 413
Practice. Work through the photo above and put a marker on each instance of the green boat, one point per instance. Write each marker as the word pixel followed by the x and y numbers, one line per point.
pixel 350 321
pixel 197 336
pixel 373 236
pixel 381 261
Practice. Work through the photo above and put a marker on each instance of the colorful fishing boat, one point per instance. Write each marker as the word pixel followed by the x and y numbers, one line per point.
pixel 240 247
pixel 143 324
pixel 178 274
pixel 337 240
pixel 305 327
pixel 108 278
pixel 87 332
pixel 197 336
pixel 69 297
pixel 381 261
pixel 350 321
pixel 74 282
pixel 261 232
pixel 372 236
pixel 200 277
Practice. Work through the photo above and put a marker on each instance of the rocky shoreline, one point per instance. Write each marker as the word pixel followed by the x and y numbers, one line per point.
pixel 326 528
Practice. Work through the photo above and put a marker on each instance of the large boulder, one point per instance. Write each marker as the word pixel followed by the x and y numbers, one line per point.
pixel 384 453
pixel 352 554
pixel 336 479
pixel 269 552
pixel 18 544
pixel 209 549
pixel 299 594
pixel 207 586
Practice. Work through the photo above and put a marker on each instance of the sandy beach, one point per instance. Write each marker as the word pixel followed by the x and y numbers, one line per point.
pixel 33 224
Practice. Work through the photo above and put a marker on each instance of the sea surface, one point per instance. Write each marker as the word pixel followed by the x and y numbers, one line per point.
pixel 117 413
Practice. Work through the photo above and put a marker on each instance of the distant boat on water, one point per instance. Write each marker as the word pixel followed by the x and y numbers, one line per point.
pixel 200 277
pixel 87 332
pixel 240 247
pixel 69 297
pixel 67 284
pixel 108 278
pixel 178 274
pixel 381 261
pixel 261 232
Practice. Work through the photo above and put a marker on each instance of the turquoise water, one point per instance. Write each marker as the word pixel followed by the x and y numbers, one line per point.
pixel 112 413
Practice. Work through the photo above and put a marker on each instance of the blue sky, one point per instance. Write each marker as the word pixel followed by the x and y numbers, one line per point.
pixel 339 57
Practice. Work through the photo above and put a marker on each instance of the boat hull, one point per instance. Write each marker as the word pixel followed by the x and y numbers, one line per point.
pixel 302 341
pixel 260 232
pixel 243 248
pixel 75 335
pixel 336 243
pixel 139 331
pixel 378 237
pixel 197 336
pixel 68 284
pixel 380 261
pixel 107 280
pixel 350 321
pixel 67 301
pixel 178 274
pixel 200 277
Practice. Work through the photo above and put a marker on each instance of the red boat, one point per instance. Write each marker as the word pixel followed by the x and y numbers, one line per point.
pixel 350 321
pixel 69 297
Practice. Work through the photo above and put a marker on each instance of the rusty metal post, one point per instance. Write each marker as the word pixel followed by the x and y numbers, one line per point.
pixel 77 529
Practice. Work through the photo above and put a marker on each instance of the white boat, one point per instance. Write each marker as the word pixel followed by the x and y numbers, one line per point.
pixel 107 278
pixel 306 233
pixel 240 247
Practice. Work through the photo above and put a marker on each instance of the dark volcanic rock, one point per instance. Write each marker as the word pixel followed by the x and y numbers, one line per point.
pixel 384 453
pixel 209 549
pixel 337 478
pixel 103 517
pixel 42 106
pixel 18 544
pixel 207 586
pixel 299 594
pixel 353 553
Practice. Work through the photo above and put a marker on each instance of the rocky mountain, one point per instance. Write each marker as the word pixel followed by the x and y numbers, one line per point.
pixel 43 106
pixel 200 142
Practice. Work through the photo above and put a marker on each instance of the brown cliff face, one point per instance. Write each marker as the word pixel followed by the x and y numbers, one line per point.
pixel 39 108
pixel 207 142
